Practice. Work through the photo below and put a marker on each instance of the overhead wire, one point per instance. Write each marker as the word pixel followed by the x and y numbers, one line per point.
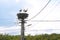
pixel 44 30
pixel 40 10
pixel 45 20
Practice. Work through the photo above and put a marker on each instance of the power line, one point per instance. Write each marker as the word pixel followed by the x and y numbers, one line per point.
pixel 45 20
pixel 41 10
pixel 44 30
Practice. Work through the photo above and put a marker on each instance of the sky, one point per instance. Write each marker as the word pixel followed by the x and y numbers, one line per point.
pixel 10 8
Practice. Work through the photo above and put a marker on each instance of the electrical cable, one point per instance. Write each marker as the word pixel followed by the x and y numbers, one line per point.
pixel 44 30
pixel 45 20
pixel 41 10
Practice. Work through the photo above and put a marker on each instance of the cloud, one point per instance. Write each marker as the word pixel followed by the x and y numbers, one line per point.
pixel 34 7
pixel 17 1
pixel 10 30
pixel 16 30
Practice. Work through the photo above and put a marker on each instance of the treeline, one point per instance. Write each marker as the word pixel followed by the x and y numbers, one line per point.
pixel 29 37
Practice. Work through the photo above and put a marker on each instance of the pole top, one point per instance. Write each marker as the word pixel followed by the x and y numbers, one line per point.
pixel 22 15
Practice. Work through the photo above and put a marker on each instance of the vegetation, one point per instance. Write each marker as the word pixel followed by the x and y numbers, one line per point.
pixel 29 37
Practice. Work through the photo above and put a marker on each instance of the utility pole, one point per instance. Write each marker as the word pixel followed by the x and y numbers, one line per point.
pixel 21 17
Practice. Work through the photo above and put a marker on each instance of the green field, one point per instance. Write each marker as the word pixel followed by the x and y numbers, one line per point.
pixel 29 37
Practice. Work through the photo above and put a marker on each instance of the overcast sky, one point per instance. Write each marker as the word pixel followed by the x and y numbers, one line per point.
pixel 8 18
